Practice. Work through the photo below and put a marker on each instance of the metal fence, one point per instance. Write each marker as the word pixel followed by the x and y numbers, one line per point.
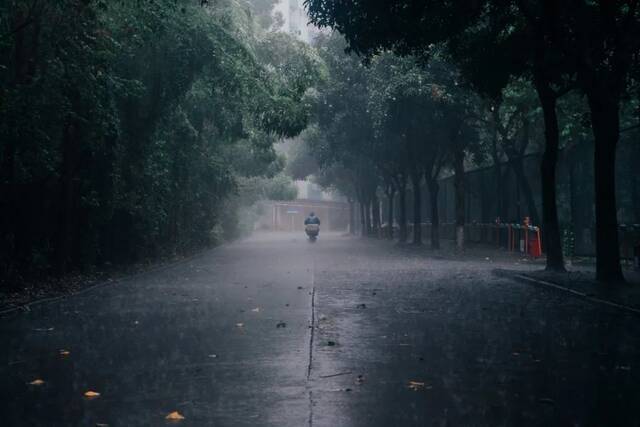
pixel 486 198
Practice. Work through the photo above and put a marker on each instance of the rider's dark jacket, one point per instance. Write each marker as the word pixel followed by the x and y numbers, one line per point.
pixel 312 220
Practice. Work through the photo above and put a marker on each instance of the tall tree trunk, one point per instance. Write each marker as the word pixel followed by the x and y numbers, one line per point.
pixel 459 198
pixel 635 198
pixel 550 223
pixel 402 199
pixel 12 234
pixel 635 188
pixel 390 197
pixel 573 191
pixel 516 161
pixel 505 196
pixel 434 189
pixel 417 208
pixel 605 122
pixel 378 218
pixel 518 170
pixel 484 208
pixel 375 213
pixel 363 218
pixel 352 218
pixel 367 218
pixel 391 213
pixel 496 163
pixel 67 193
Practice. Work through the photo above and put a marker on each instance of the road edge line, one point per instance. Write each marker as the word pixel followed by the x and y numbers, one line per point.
pixel 524 278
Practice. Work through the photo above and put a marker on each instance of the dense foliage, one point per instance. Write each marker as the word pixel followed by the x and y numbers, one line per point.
pixel 136 129
pixel 586 46
pixel 129 127
pixel 390 129
pixel 382 125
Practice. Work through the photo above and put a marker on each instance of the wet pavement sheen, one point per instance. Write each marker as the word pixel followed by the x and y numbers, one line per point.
pixel 274 331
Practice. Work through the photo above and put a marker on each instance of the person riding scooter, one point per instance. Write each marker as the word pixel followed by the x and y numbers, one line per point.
pixel 312 226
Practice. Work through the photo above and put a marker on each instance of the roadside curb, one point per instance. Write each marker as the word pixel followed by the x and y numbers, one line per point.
pixel 544 283
pixel 25 308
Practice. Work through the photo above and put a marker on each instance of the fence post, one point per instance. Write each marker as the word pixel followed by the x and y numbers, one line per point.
pixel 539 241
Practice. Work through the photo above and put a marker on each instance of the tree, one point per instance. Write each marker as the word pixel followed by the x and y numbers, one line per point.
pixel 342 115
pixel 551 43
pixel 407 107
pixel 601 38
pixel 489 40
pixel 133 125
pixel 517 115
pixel 424 117
pixel 456 112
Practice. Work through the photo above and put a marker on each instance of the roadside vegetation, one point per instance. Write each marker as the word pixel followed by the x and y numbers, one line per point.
pixel 135 130
pixel 452 87
pixel 131 130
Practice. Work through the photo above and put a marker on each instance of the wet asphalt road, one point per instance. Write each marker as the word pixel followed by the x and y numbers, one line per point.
pixel 274 331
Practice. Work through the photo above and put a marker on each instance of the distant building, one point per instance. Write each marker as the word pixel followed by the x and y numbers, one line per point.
pixel 296 21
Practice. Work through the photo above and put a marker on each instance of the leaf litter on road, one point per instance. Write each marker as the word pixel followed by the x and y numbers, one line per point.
pixel 418 386
pixel 174 416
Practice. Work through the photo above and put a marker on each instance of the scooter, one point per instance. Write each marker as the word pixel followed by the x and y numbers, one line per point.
pixel 312 231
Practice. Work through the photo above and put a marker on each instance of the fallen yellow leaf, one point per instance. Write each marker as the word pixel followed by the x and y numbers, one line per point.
pixel 91 394
pixel 174 416
pixel 37 382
